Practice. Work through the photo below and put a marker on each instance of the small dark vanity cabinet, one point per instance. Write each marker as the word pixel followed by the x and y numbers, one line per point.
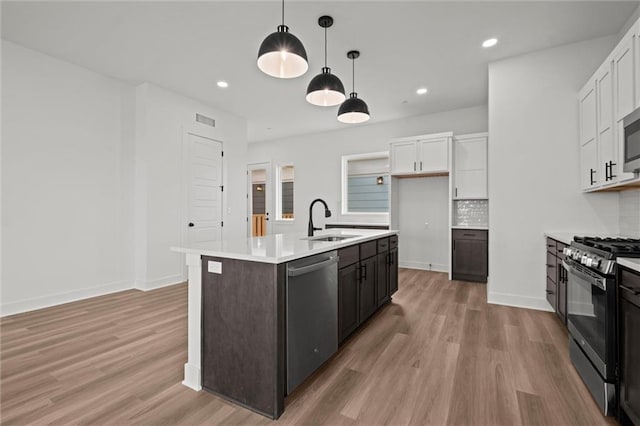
pixel 367 277
pixel 470 255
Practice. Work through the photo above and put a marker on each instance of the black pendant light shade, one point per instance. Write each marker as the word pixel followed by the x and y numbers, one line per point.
pixel 353 110
pixel 282 54
pixel 325 89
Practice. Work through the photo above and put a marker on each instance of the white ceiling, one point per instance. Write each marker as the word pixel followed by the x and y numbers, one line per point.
pixel 188 46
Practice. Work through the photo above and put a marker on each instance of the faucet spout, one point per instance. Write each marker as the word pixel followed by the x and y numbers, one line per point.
pixel 327 213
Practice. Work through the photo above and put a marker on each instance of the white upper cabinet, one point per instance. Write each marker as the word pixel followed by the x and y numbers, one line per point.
pixel 589 175
pixel 404 157
pixel 623 65
pixel 606 142
pixel 433 155
pixel 611 94
pixel 625 84
pixel 470 166
pixel 420 155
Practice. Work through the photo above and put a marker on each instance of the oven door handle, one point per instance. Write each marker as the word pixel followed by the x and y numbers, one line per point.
pixel 598 282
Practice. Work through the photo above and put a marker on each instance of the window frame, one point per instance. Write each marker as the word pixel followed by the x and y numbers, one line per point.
pixel 345 182
pixel 278 192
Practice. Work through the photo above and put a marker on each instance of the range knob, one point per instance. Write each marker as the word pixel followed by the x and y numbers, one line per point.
pixel 596 262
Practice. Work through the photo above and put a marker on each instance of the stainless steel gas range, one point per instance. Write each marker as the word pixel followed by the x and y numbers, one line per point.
pixel 592 313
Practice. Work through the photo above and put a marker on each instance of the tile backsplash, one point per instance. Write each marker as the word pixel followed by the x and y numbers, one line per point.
pixel 471 213
pixel 630 213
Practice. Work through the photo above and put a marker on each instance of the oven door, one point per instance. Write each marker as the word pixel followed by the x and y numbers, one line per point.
pixel 587 312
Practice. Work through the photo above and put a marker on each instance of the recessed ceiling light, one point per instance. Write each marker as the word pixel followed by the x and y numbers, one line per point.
pixel 223 84
pixel 421 91
pixel 490 42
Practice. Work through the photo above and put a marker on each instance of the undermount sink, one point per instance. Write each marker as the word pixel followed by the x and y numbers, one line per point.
pixel 330 237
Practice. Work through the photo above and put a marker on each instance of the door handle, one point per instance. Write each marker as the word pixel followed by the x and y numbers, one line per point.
pixel 629 289
pixel 191 225
pixel 421 166
pixel 593 172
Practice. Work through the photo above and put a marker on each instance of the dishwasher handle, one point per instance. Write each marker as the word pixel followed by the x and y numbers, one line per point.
pixel 294 272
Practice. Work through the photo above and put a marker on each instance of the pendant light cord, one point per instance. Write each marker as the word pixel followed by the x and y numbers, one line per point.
pixel 282 12
pixel 353 75
pixel 325 47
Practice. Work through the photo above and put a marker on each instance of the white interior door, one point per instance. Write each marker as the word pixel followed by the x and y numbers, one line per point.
pixel 204 189
pixel 259 194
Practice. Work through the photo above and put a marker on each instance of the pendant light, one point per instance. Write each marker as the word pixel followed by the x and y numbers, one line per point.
pixel 282 54
pixel 325 89
pixel 353 110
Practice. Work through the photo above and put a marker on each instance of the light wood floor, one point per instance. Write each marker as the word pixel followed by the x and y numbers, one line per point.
pixel 439 354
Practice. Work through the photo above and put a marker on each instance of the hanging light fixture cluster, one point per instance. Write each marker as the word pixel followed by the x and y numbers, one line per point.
pixel 282 55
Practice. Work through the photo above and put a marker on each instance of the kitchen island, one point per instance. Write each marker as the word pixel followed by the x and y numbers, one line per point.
pixel 237 306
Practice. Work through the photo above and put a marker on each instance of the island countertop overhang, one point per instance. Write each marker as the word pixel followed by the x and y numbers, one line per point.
pixel 281 248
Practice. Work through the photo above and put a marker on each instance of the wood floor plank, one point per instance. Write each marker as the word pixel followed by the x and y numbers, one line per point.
pixel 438 354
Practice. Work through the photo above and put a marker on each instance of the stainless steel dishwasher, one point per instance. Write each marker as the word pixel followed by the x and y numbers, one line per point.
pixel 312 315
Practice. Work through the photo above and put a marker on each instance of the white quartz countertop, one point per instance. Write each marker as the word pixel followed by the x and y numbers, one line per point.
pixel 630 263
pixel 482 228
pixel 563 237
pixel 282 248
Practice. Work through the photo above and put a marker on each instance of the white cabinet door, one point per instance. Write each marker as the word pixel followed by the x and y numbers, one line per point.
pixel 433 156
pixel 625 84
pixel 623 66
pixel 589 176
pixel 403 158
pixel 470 167
pixel 605 124
pixel 589 165
pixel 588 113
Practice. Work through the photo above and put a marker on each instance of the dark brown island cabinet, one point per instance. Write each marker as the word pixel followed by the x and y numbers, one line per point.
pixel 469 257
pixel 367 278
pixel 556 278
pixel 244 324
pixel 629 345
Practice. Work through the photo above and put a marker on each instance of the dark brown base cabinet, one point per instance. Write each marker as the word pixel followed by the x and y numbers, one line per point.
pixel 367 277
pixel 629 346
pixel 243 349
pixel 556 278
pixel 470 260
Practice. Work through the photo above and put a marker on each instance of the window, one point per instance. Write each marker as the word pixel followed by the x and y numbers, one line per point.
pixel 365 183
pixel 284 192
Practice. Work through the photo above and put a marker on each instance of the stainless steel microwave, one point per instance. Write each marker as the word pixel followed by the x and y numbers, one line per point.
pixel 631 125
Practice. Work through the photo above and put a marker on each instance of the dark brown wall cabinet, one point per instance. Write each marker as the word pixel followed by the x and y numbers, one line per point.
pixel 629 346
pixel 470 261
pixel 367 277
pixel 556 278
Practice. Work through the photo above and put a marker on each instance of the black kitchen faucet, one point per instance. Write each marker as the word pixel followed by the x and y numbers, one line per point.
pixel 327 213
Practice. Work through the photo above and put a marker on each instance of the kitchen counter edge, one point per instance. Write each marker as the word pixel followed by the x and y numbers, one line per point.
pixel 630 263
pixel 322 246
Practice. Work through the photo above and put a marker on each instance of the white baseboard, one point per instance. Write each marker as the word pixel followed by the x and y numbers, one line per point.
pixel 539 304
pixel 41 302
pixel 192 377
pixel 160 282
pixel 423 266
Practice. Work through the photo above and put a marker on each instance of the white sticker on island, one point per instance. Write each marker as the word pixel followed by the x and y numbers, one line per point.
pixel 214 267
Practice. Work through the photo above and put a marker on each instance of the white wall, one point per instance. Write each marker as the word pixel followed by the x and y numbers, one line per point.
pixel 163 117
pixel 534 166
pixel 424 201
pixel 92 181
pixel 630 213
pixel 317 158
pixel 66 170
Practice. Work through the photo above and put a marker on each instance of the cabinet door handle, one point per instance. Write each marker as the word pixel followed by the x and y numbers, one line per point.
pixel 456 192
pixel 632 290
pixel 421 166
pixel 549 265
pixel 606 171
pixel 593 172
pixel 414 166
pixel 611 175
pixel 550 292
pixel 364 268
